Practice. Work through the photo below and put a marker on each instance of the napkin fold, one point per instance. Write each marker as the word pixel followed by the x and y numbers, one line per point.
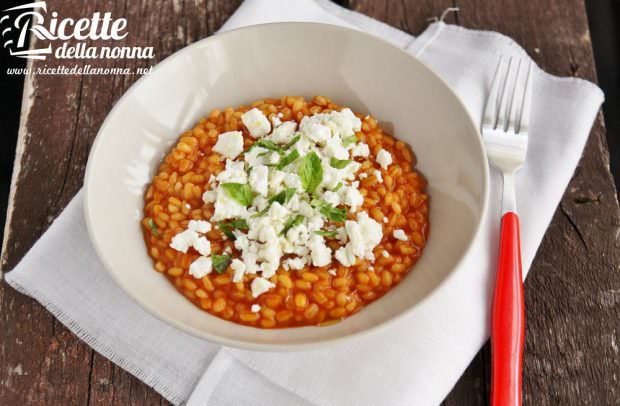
pixel 418 360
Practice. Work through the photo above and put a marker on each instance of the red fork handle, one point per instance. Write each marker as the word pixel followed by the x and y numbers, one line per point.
pixel 508 318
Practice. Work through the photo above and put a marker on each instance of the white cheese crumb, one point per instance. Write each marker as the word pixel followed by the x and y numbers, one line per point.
pixel 200 267
pixel 321 254
pixel 332 198
pixel 332 272
pixel 183 240
pixel 400 235
pixel 227 207
pixel 385 254
pixel 364 235
pixel 229 144
pixel 233 173
pixel 284 133
pixel 385 220
pixel 209 196
pixel 256 123
pixel 378 176
pixel 361 150
pixel 255 308
pixel 260 286
pixel 203 246
pixel 259 178
pixel 187 206
pixel 363 175
pixel 384 158
pixel 199 226
pixel 238 268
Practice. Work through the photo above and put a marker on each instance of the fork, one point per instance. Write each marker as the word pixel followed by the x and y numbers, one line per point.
pixel 505 134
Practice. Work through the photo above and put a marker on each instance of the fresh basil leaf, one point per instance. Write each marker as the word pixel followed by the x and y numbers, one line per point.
pixel 261 213
pixel 310 172
pixel 239 192
pixel 287 160
pixel 352 139
pixel 338 186
pixel 220 262
pixel 264 153
pixel 292 222
pixel 331 234
pixel 293 141
pixel 333 214
pixel 153 227
pixel 339 163
pixel 282 197
pixel 227 228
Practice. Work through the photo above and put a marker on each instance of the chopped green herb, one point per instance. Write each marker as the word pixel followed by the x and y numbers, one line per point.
pixel 261 213
pixel 292 222
pixel 338 186
pixel 153 227
pixel 331 234
pixel 311 172
pixel 220 262
pixel 287 160
pixel 264 153
pixel 333 214
pixel 227 228
pixel 283 197
pixel 339 163
pixel 292 142
pixel 239 192
pixel 267 144
pixel 352 139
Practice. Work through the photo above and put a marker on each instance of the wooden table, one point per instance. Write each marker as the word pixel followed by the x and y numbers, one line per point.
pixel 572 353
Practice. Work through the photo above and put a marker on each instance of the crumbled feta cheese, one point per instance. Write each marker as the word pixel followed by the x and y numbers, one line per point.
pixel 294 263
pixel 199 226
pixel 256 123
pixel 315 132
pixel 352 197
pixel 292 180
pixel 275 119
pixel 229 144
pixel 361 150
pixel 183 240
pixel 260 286
pixel 363 175
pixel 332 272
pixel 385 254
pixel 284 133
pixel 335 149
pixel 384 158
pixel 364 235
pixel 400 235
pixel 259 178
pixel 202 245
pixel 321 254
pixel 187 206
pixel 378 176
pixel 255 308
pixel 385 220
pixel 233 173
pixel 227 207
pixel 200 268
pixel 238 268
pixel 332 198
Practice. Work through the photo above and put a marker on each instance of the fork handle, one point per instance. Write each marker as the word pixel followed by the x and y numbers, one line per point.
pixel 508 318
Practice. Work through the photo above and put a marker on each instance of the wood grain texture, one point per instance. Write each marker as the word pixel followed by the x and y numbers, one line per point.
pixel 572 293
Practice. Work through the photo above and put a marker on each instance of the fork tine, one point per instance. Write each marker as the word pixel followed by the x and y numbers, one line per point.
pixel 524 119
pixel 515 101
pixel 490 112
pixel 506 97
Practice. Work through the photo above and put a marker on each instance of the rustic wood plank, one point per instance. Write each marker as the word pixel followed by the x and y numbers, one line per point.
pixel 559 293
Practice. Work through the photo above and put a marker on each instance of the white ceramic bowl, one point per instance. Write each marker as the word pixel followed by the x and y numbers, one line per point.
pixel 240 66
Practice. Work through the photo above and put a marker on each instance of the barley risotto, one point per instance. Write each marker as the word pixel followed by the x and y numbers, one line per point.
pixel 288 212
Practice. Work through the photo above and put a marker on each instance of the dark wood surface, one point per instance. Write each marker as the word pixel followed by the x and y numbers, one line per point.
pixel 572 354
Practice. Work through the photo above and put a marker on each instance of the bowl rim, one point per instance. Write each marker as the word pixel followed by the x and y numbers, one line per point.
pixel 288 347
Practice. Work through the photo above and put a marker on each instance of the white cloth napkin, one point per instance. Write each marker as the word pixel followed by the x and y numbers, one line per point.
pixel 416 361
